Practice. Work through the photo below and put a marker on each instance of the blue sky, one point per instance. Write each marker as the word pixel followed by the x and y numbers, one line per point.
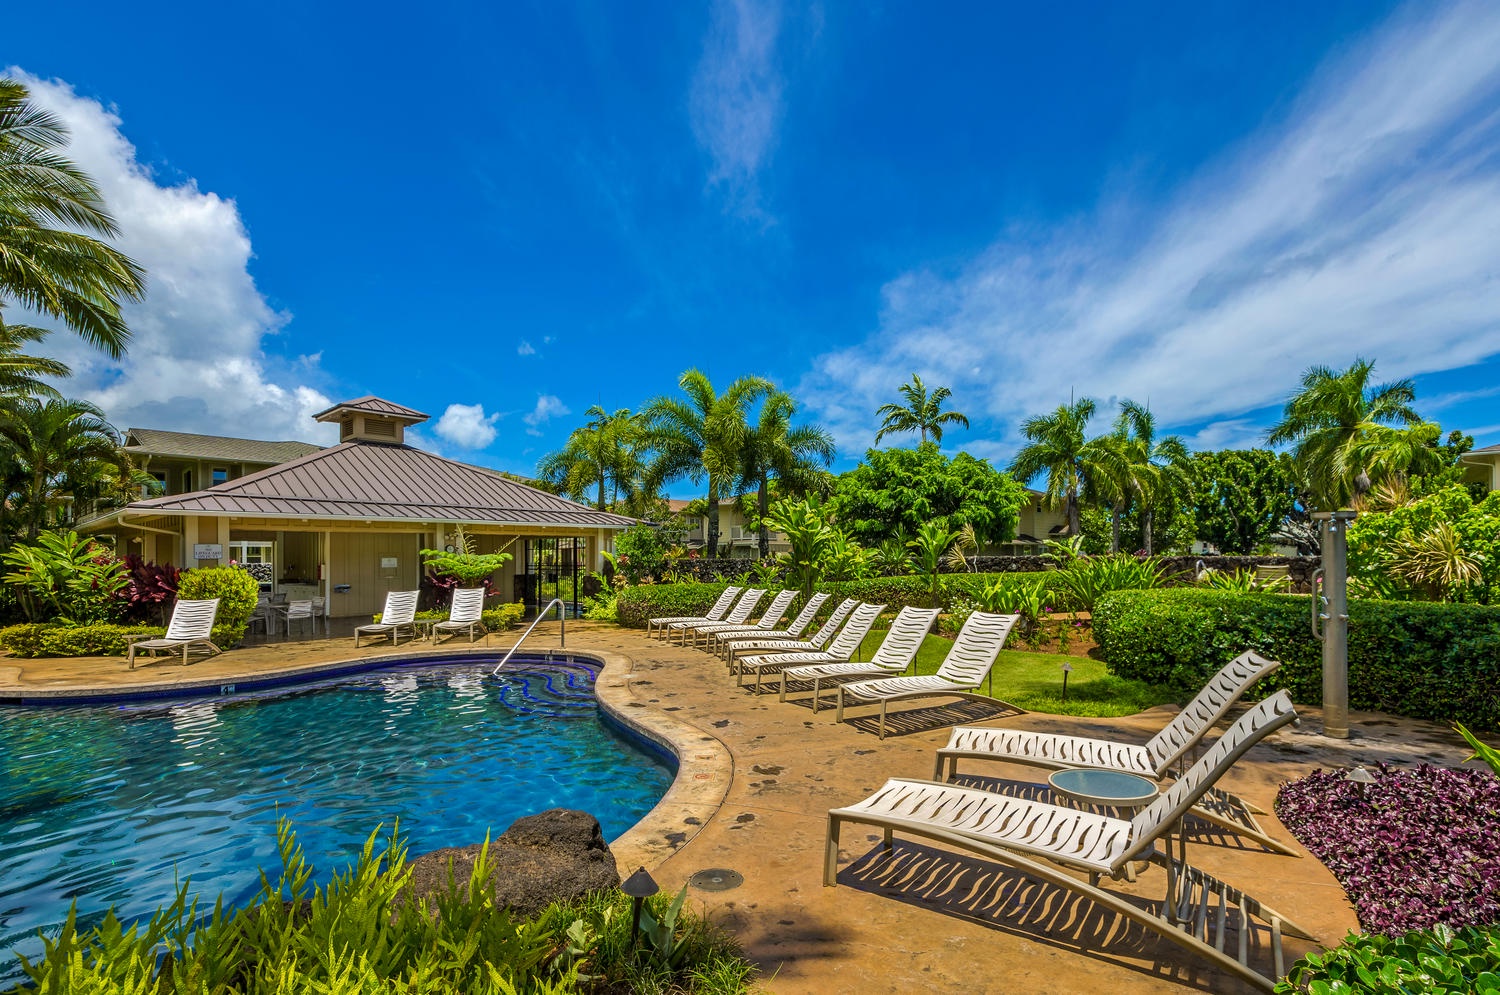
pixel 503 214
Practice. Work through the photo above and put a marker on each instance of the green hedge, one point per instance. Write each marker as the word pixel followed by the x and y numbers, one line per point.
pixel 647 601
pixel 1433 962
pixel 1425 660
pixel 34 639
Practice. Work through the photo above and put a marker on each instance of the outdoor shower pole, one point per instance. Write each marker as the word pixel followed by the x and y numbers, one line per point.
pixel 1333 526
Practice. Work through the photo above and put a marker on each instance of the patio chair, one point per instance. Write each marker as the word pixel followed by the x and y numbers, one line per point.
pixel 466 613
pixel 300 611
pixel 841 650
pixel 896 653
pixel 722 640
pixel 737 615
pixel 769 620
pixel 969 663
pixel 715 614
pixel 818 640
pixel 263 615
pixel 400 613
pixel 320 613
pixel 1198 910
pixel 1156 759
pixel 192 624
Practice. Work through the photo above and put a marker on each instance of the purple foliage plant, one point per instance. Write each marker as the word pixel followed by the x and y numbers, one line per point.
pixel 1418 847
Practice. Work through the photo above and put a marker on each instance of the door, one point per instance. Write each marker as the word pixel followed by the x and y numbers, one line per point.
pixel 371 565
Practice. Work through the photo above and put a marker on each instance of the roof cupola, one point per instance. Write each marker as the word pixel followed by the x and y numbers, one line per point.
pixel 371 419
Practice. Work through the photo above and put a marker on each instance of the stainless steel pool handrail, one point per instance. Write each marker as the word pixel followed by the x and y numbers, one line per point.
pixel 562 637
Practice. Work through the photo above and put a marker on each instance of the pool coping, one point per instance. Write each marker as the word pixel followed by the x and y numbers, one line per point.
pixel 705 767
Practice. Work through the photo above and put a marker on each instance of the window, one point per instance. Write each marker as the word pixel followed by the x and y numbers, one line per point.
pixel 187 481
pixel 220 475
pixel 158 488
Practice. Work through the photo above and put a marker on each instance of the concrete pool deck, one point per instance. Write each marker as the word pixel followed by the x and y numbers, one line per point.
pixel 757 778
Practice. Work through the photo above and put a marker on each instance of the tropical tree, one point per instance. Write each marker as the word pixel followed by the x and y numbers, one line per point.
pixel 894 491
pixel 49 212
pixel 1334 423
pixel 599 456
pixel 797 457
pixel 920 412
pixel 48 440
pixel 20 373
pixel 702 434
pixel 1239 497
pixel 1155 469
pixel 1058 445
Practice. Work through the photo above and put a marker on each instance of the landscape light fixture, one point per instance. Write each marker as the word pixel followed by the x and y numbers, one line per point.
pixel 639 886
pixel 1067 669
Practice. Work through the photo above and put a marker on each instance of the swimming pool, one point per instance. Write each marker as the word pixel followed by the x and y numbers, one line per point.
pixel 105 803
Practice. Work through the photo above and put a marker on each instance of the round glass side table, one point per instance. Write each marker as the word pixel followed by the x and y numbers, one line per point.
pixel 1104 788
pixel 1126 793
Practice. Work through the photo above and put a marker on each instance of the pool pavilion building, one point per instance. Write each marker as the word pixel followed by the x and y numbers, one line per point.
pixel 347 522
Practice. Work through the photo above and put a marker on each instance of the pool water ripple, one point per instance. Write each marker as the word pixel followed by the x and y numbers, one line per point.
pixel 110 804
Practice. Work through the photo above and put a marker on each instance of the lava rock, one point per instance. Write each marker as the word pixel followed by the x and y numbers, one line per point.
pixel 555 855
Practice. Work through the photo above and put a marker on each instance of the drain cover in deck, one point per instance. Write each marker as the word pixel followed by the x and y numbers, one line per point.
pixel 716 879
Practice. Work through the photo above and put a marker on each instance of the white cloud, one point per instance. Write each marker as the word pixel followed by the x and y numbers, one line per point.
pixel 548 406
pixel 1362 225
pixel 467 426
pixel 196 361
pixel 525 349
pixel 736 100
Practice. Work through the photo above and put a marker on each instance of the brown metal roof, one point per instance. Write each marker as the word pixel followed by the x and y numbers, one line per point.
pixel 369 480
pixel 155 442
pixel 1487 449
pixel 370 404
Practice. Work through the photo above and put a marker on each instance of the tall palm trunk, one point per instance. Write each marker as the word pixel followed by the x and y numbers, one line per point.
pixel 601 492
pixel 713 521
pixel 763 505
pixel 1072 505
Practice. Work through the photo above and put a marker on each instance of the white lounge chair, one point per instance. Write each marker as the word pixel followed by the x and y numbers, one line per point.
pixel 1198 911
pixel 841 650
pixel 768 621
pixel 1156 759
pixel 400 613
pixel 738 615
pixel 968 664
pixel 716 613
pixel 799 625
pixel 760 644
pixel 192 624
pixel 465 614
pixel 896 653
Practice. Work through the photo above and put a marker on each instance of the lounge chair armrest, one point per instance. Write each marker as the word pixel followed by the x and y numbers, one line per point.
pixel 135 637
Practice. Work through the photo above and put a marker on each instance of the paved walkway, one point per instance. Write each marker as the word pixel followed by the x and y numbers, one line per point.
pixel 758 777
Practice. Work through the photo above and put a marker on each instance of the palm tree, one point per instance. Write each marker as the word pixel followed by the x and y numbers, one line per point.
pixel 702 434
pixel 922 412
pixel 48 261
pixel 50 441
pixel 1157 468
pixel 21 374
pixel 1330 422
pixel 601 454
pixel 1059 447
pixel 797 457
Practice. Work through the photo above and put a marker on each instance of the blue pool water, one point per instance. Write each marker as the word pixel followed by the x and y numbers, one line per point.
pixel 105 804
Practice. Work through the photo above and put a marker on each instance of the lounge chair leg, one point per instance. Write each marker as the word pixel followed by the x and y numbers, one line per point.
pixel 839 715
pixel 889 840
pixel 817 682
pixel 831 855
pixel 882 718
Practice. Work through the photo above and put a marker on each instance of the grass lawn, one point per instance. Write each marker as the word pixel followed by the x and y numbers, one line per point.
pixel 1033 681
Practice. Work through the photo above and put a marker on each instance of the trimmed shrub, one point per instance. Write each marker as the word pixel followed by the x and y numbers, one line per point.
pixel 237 592
pixel 1438 961
pixel 37 639
pixel 638 605
pixel 496 619
pixel 1425 660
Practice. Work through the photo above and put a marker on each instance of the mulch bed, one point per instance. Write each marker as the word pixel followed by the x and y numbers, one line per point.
pixel 1418 847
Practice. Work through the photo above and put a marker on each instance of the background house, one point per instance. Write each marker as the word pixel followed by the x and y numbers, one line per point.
pixel 347 522
pixel 736 539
